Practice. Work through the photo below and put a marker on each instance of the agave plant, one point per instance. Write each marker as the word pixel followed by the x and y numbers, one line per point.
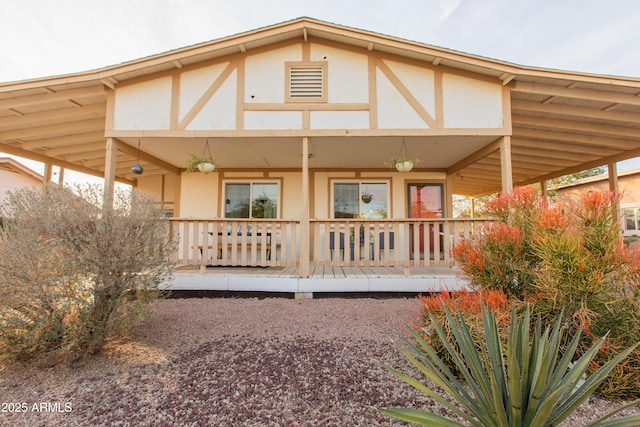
pixel 526 382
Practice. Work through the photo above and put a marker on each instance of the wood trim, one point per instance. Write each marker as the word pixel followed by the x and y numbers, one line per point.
pixel 305 106
pixel 197 107
pixel 290 133
pixel 240 89
pixel 175 101
pixel 373 93
pixel 570 110
pixel 406 93
pixel 110 109
pixel 439 99
pixel 506 109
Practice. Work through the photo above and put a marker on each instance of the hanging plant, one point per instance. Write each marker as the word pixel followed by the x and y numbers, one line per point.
pixel 366 197
pixel 401 161
pixel 205 163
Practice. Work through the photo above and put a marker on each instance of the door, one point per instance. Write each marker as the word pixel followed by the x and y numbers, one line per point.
pixel 425 201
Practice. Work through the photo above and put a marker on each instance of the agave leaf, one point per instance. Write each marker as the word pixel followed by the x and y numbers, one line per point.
pixel 471 366
pixel 448 380
pixel 583 392
pixel 435 376
pixel 634 420
pixel 420 417
pixel 429 392
pixel 479 407
pixel 493 352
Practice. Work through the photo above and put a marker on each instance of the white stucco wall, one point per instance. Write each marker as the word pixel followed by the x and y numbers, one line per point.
pixel 144 105
pixel 470 103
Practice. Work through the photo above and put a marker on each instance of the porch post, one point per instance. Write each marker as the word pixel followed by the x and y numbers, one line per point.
pixel 110 172
pixel 305 241
pixel 505 164
pixel 48 172
pixel 613 176
pixel 613 187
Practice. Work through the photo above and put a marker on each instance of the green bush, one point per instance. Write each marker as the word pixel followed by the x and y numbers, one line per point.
pixel 72 273
pixel 532 380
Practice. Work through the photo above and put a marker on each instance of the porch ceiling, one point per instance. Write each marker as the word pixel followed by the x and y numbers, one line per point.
pixel 562 122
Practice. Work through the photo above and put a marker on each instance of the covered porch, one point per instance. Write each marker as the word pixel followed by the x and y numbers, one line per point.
pixel 478 125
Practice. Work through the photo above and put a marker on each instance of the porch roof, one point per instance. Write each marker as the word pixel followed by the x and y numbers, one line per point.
pixel 561 121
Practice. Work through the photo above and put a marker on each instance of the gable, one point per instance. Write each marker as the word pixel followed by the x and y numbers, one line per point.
pixel 360 90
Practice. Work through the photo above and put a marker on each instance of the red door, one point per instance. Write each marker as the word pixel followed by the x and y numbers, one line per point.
pixel 425 201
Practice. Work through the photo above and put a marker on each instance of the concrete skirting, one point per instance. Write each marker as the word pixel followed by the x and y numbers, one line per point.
pixel 258 283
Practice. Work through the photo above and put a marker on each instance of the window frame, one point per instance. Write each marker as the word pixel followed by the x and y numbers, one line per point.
pixel 360 182
pixel 251 183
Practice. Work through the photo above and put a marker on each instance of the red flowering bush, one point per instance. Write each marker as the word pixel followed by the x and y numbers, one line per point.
pixel 470 304
pixel 568 260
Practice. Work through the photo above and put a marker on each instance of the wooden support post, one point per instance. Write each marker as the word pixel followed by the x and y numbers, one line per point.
pixel 110 172
pixel 48 172
pixel 305 228
pixel 448 197
pixel 61 176
pixel 613 187
pixel 543 192
pixel 505 165
pixel 613 177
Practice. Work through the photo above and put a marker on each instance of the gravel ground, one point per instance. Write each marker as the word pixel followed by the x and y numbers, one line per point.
pixel 234 362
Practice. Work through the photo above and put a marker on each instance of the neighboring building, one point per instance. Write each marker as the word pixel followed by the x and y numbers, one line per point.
pixel 628 185
pixel 14 176
pixel 302 117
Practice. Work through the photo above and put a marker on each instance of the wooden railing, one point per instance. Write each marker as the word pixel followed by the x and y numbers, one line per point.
pixel 357 242
pixel 396 242
pixel 225 242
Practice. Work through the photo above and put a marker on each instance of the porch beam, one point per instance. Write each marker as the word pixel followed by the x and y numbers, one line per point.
pixel 16 151
pixel 588 94
pixel 474 157
pixel 133 152
pixel 584 166
pixel 519 106
pixel 305 226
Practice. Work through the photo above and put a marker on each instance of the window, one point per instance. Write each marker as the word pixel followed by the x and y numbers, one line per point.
pixel 306 81
pixel 360 200
pixel 251 200
pixel 631 220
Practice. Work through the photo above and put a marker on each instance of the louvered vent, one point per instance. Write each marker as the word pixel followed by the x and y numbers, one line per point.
pixel 306 82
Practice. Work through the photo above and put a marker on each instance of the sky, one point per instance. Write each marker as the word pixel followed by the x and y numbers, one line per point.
pixel 42 38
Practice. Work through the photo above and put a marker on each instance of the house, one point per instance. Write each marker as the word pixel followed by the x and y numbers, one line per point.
pixel 302 117
pixel 628 185
pixel 14 176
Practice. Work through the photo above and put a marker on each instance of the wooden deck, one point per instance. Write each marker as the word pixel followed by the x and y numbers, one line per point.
pixel 322 279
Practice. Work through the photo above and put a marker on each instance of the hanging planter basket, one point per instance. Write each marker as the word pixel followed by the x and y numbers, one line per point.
pixel 367 197
pixel 205 163
pixel 206 167
pixel 405 166
pixel 401 161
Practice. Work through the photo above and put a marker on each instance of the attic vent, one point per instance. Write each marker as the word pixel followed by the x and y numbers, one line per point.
pixel 306 81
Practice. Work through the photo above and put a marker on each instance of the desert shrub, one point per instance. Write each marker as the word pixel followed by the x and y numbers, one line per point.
pixel 72 273
pixel 565 259
pixel 501 256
